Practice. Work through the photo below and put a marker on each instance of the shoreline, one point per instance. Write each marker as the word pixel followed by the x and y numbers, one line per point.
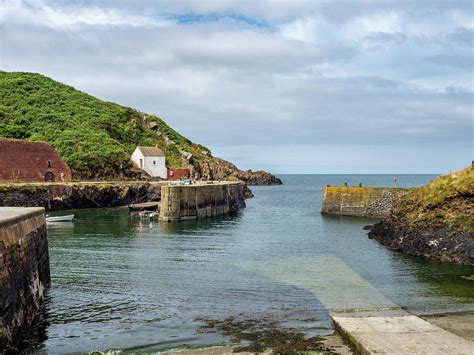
pixel 57 196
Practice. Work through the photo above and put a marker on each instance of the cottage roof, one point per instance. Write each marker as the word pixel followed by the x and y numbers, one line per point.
pixel 151 151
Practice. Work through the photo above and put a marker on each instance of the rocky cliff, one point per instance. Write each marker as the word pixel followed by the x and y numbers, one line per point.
pixel 435 221
pixel 220 169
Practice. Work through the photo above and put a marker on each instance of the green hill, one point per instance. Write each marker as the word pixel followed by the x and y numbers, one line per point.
pixel 95 137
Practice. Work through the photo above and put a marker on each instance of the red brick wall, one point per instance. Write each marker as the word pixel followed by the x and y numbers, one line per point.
pixel 28 161
pixel 178 174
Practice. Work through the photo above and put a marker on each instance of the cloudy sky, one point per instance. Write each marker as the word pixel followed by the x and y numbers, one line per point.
pixel 288 86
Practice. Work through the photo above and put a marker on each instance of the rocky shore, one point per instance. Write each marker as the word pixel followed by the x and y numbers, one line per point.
pixel 434 243
pixel 434 221
pixel 59 196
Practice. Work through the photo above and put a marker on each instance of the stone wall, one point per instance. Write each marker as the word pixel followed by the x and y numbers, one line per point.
pixel 373 202
pixel 24 270
pixel 78 195
pixel 184 202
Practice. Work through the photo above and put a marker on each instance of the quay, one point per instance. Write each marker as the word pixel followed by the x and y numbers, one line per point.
pixel 24 270
pixel 358 201
pixel 200 200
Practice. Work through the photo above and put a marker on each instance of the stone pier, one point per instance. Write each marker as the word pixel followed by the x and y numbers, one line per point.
pixel 24 270
pixel 372 202
pixel 200 201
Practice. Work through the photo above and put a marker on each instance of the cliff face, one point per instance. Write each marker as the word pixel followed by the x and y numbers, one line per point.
pixel 56 196
pixel 220 169
pixel 435 221
pixel 96 138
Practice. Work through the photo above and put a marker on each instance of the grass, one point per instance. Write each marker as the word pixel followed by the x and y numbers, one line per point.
pixel 447 201
pixel 94 137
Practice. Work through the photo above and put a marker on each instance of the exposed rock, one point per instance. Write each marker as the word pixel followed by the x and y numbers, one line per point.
pixel 258 178
pixel 78 195
pixel 434 221
pixel 220 169
pixel 186 155
pixel 435 243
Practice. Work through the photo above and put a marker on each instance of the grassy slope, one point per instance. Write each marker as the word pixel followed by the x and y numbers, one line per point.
pixel 446 201
pixel 94 137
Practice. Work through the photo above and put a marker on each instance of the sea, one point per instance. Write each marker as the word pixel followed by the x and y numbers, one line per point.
pixel 119 283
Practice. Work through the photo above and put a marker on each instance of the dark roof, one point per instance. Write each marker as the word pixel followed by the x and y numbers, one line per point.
pixel 151 151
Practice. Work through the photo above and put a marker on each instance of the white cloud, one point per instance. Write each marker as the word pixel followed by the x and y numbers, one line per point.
pixel 295 84
pixel 374 23
pixel 73 16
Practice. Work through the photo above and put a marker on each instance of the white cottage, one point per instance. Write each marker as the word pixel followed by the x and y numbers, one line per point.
pixel 151 160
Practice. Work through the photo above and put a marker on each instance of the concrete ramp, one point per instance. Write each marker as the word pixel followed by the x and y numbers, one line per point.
pixel 404 334
pixel 370 321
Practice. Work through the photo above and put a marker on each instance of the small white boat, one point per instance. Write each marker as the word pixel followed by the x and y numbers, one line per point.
pixel 148 214
pixel 66 218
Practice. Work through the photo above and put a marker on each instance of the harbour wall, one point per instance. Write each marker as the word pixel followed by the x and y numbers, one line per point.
pixel 24 271
pixel 200 201
pixel 59 196
pixel 372 202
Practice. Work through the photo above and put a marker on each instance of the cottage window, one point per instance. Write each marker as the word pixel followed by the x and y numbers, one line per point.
pixel 154 162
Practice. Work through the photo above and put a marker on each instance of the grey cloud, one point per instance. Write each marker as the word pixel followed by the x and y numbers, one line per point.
pixel 462 36
pixel 247 92
pixel 457 61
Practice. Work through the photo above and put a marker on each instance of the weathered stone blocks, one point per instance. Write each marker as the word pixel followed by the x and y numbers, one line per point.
pixel 200 201
pixel 374 202
pixel 24 270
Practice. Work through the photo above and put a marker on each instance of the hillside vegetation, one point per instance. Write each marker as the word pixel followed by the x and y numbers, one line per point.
pixel 94 137
pixel 447 201
pixel 434 221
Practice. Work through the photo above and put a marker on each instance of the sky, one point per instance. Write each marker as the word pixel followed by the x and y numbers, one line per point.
pixel 285 86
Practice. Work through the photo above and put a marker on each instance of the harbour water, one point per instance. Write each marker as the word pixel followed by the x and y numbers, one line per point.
pixel 120 284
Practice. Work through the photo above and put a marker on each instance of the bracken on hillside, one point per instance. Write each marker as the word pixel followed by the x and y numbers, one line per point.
pixel 94 137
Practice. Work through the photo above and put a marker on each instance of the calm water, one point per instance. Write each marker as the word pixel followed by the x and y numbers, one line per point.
pixel 120 284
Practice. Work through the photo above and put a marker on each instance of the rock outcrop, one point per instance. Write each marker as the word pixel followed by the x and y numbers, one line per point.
pixel 78 195
pixel 258 178
pixel 219 169
pixel 435 221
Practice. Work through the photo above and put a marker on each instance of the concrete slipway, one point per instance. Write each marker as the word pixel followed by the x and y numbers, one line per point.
pixel 370 321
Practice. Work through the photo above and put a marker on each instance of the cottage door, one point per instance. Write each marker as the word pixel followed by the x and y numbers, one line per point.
pixel 49 177
pixel 141 163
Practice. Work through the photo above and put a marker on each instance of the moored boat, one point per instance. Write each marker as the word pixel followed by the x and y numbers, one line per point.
pixel 66 218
